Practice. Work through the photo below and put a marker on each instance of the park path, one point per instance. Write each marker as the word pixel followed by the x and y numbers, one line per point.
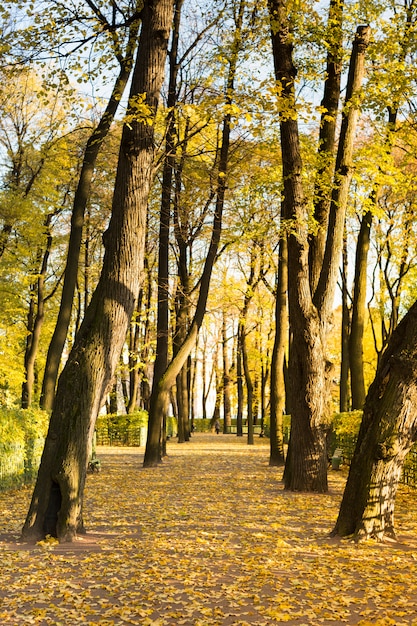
pixel 207 538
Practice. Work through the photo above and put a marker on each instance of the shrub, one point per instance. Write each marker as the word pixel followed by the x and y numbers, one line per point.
pixel 127 430
pixel 22 437
pixel 345 428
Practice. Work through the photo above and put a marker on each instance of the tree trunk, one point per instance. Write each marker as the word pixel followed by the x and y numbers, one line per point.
pixel 306 466
pixel 183 406
pixel 36 316
pixel 227 413
pixel 240 391
pixel 309 371
pixel 344 403
pixel 252 282
pixel 357 379
pixel 160 397
pixel 82 193
pixel 162 329
pixel 218 400
pixel 181 329
pixel 56 505
pixel 327 141
pixel 276 455
pixel 248 377
pixel 192 388
pixel 388 429
pixel 205 389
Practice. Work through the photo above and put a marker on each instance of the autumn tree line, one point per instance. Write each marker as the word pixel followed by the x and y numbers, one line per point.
pixel 210 210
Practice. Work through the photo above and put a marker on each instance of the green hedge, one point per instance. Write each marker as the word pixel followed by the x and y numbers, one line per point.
pixel 22 437
pixel 127 430
pixel 345 429
pixel 345 432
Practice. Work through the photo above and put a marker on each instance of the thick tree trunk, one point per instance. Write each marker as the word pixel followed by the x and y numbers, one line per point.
pixel 309 371
pixel 162 330
pixel 56 505
pixel 306 465
pixel 82 193
pixel 387 432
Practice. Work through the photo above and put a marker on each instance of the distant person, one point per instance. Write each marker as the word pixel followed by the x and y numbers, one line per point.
pixel 217 426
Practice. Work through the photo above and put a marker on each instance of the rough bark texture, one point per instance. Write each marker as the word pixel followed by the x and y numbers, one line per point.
pixel 387 432
pixel 306 466
pixel 56 505
pixel 309 371
pixel 162 331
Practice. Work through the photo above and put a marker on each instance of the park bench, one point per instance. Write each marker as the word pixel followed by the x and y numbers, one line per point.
pixel 337 458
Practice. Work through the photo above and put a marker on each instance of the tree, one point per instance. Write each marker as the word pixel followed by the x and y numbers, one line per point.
pixel 160 393
pixel 388 430
pixel 36 182
pixel 255 275
pixel 93 146
pixel 56 506
pixel 278 395
pixel 227 410
pixel 310 307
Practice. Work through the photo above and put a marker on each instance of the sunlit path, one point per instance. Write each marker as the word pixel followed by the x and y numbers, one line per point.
pixel 207 538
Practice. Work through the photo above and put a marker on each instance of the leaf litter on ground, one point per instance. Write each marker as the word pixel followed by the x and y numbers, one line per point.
pixel 207 538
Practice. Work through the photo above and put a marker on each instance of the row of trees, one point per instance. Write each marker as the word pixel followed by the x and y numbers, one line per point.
pixel 240 180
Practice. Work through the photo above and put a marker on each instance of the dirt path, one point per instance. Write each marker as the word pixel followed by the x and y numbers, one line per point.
pixel 208 538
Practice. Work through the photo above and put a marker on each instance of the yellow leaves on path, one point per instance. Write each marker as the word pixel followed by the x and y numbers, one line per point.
pixel 208 538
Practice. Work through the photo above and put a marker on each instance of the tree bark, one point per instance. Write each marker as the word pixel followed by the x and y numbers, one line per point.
pixel 36 316
pixel 309 369
pixel 162 330
pixel 227 412
pixel 82 193
pixel 327 141
pixel 386 434
pixel 240 391
pixel 344 402
pixel 89 370
pixel 276 455
pixel 357 379
pixel 159 399
pixel 247 375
